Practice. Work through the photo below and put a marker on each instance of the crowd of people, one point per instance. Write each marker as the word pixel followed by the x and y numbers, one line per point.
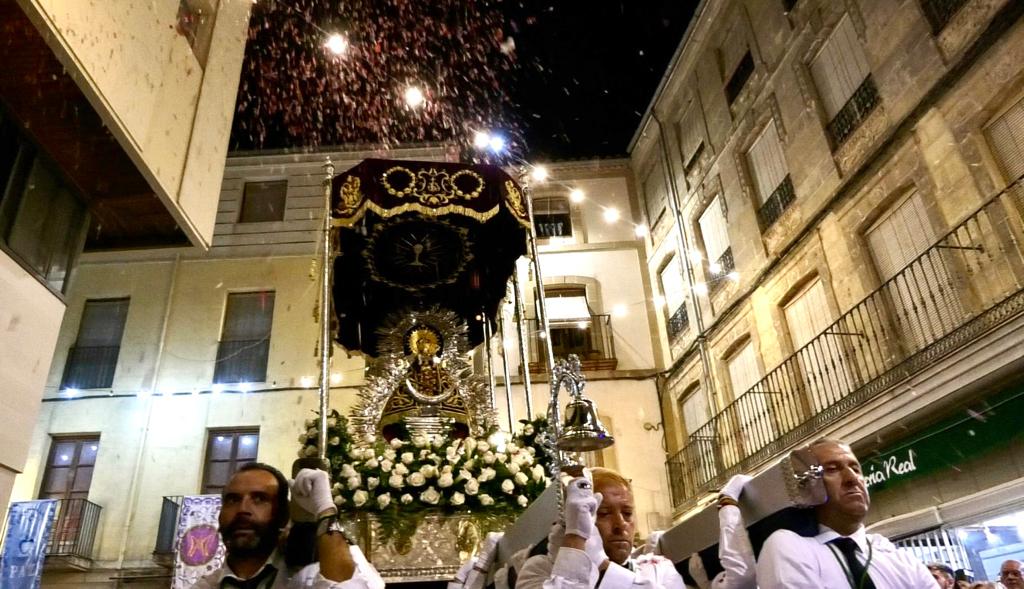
pixel 592 544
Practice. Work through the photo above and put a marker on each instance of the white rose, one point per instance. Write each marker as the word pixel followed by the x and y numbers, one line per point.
pixel 457 498
pixel 469 464
pixel 521 479
pixel 372 463
pixel 445 480
pixel 513 468
pixel 302 452
pixel 406 498
pixel 502 457
pixel 430 496
pixel 508 486
pixel 489 458
pixel 419 441
pixel 417 480
pixel 336 487
pixel 537 472
pixel 424 453
pixel 396 443
pixel 302 439
pixel 531 450
pixel 436 441
pixel 401 469
pixel 335 441
pixel 528 430
pixel 486 500
pixel 385 465
pixel 332 421
pixel 372 482
pixel 310 423
pixel 472 486
pixel 360 497
pixel 487 474
pixel 428 470
pixel 446 469
pixel 347 471
pixel 451 452
pixel 390 454
pixel 383 500
pixel 522 501
pixel 465 475
pixel 470 444
pixel 407 458
pixel 511 448
pixel 482 446
pixel 339 500
pixel 354 482
pixel 312 432
pixel 396 481
pixel 311 451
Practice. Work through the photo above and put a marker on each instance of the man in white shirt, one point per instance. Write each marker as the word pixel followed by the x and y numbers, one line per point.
pixel 595 547
pixel 735 553
pixel 254 512
pixel 842 555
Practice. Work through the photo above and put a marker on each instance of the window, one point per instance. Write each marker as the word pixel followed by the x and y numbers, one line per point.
pixel 823 365
pixel 715 235
pixel 694 410
pixel 739 77
pixel 68 473
pixel 226 450
pixel 655 194
pixel 570 321
pixel 691 136
pixel 771 176
pixel 263 201
pixel 922 292
pixel 674 290
pixel 1006 135
pixel 245 339
pixel 92 360
pixel 552 217
pixel 940 12
pixel 42 222
pixel 755 425
pixel 841 73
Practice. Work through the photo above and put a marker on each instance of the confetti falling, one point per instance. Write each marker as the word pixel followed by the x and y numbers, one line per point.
pixel 296 91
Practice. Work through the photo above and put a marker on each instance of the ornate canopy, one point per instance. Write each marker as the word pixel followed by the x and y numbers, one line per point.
pixel 422 234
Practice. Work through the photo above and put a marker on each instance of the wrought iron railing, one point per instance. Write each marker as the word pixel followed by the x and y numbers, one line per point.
pixel 242 361
pixel 940 12
pixel 678 322
pixel 967 282
pixel 776 204
pixel 591 339
pixel 74 529
pixel 169 510
pixel 857 108
pixel 719 271
pixel 90 367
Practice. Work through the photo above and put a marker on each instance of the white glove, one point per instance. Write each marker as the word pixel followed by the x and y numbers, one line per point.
pixel 734 487
pixel 581 507
pixel 311 491
pixel 652 546
pixel 595 550
pixel 556 538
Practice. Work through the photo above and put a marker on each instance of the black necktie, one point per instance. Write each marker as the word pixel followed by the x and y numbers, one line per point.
pixel 267 574
pixel 849 548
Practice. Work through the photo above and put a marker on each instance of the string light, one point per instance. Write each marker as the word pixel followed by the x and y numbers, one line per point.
pixel 640 230
pixel 577 196
pixel 306 382
pixel 414 97
pixel 336 378
pixel 619 310
pixel 700 288
pixel 715 268
pixel 337 44
pixel 734 276
pixel 611 215
pixel 71 392
pixel 496 143
pixel 539 173
pixel 481 139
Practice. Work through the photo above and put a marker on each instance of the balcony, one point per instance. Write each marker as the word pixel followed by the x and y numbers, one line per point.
pixel 968 282
pixel 678 323
pixel 73 535
pixel 242 361
pixel 90 367
pixel 857 108
pixel 940 12
pixel 776 204
pixel 591 339
pixel 163 552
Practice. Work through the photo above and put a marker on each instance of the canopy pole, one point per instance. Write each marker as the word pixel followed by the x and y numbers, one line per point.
pixel 504 367
pixel 488 358
pixel 538 278
pixel 325 311
pixel 524 358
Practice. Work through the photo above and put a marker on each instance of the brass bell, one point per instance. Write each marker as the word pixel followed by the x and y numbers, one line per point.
pixel 582 431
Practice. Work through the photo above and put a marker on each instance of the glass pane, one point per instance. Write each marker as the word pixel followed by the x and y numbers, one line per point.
pixel 247 445
pixel 30 222
pixel 248 316
pixel 63 453
pixel 217 473
pixel 88 453
pixel 83 478
pixel 57 480
pixel 220 446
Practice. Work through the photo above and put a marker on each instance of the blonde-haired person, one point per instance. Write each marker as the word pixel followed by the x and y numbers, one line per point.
pixel 594 548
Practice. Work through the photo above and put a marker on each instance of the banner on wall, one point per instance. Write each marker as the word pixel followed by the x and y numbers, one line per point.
pixel 199 550
pixel 28 531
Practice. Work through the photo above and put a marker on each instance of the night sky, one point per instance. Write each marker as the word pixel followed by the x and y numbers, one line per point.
pixel 559 80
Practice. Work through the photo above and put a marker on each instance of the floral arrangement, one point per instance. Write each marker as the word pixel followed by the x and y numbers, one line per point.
pixel 403 479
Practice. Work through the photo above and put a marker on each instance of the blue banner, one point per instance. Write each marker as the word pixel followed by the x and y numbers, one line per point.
pixel 28 531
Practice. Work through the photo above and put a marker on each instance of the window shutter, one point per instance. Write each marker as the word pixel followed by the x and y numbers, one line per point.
pixel 808 314
pixel 102 323
pixel 743 371
pixel 1006 135
pixel 655 193
pixel 713 229
pixel 672 285
pixel 691 132
pixel 767 162
pixel 840 67
pixel 695 410
pixel 570 308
